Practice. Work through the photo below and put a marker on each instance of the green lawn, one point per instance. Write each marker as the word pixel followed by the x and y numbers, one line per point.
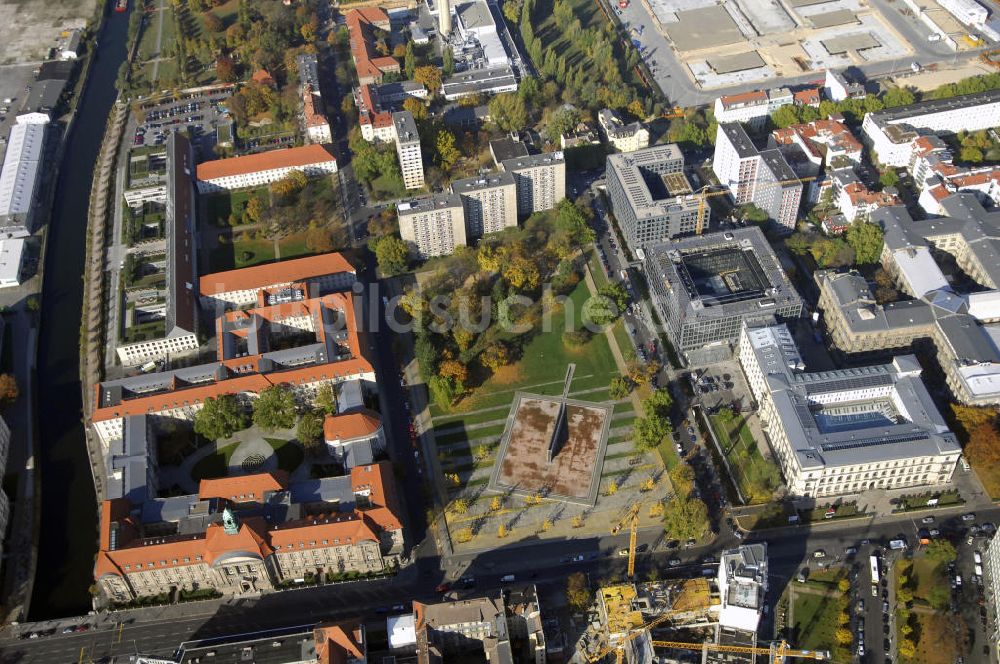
pixel 219 206
pixel 474 434
pixel 816 621
pixel 542 367
pixel 624 341
pixel 293 245
pixel 241 253
pixel 384 188
pixel 214 465
pixel 290 454
pixel 757 477
pixel 150 29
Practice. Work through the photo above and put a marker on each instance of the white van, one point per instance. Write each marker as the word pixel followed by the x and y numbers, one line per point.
pixel 509 578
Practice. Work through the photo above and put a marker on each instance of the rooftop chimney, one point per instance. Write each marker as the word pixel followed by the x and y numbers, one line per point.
pixel 444 18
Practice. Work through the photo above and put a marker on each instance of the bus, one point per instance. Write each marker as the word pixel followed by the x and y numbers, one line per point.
pixel 874 568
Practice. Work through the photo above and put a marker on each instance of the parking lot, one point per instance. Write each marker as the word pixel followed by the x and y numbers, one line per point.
pixel 201 114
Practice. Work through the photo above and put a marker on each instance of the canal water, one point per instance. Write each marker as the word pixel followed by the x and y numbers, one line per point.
pixel 68 540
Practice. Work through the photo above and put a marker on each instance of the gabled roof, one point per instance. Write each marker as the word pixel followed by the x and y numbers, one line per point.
pixel 351 425
pixel 298 157
pixel 272 274
pixel 337 644
pixel 248 488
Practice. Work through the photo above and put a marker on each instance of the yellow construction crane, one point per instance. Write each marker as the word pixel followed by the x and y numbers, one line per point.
pixel 777 651
pixel 632 518
pixel 619 647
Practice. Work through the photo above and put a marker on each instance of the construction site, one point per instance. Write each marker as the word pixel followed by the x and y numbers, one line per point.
pixel 713 618
pixel 743 41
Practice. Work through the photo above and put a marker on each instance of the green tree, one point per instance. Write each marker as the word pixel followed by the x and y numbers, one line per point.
pixel 889 177
pixel 512 10
pixel 685 518
pixel 650 431
pixel 971 155
pixel 444 390
pixel 620 387
pixel 508 111
pixel 274 408
pixel 898 97
pixel 220 418
pixel 941 551
pixel 409 61
pixel 446 155
pixel 786 116
pixel 617 294
pixel 326 399
pixel 448 62
pixel 392 255
pixel 866 240
pixel 750 212
pixel 658 404
pixel 429 76
pixel 309 430
pixel 562 122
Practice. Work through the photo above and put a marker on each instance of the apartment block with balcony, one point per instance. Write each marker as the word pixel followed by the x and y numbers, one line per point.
pixel 761 177
pixel 540 181
pixel 489 202
pixel 433 225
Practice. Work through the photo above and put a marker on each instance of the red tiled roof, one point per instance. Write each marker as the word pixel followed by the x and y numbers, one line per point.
pixel 274 274
pixel 247 378
pixel 306 155
pixel 312 117
pixel 360 23
pixel 245 489
pixel 130 553
pixel 351 425
pixel 336 643
pixel 809 97
pixel 758 96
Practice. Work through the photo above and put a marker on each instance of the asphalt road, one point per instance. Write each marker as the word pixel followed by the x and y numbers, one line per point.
pixel 159 631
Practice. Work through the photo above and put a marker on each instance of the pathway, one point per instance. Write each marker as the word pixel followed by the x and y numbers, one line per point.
pixel 159 41
pixel 251 442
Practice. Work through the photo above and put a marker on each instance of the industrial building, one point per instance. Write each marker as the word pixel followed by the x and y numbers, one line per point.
pixel 847 430
pixel 651 198
pixel 706 287
pixel 21 173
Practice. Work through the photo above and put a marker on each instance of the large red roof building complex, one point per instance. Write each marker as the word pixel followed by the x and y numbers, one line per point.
pixel 251 350
pixel 248 534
